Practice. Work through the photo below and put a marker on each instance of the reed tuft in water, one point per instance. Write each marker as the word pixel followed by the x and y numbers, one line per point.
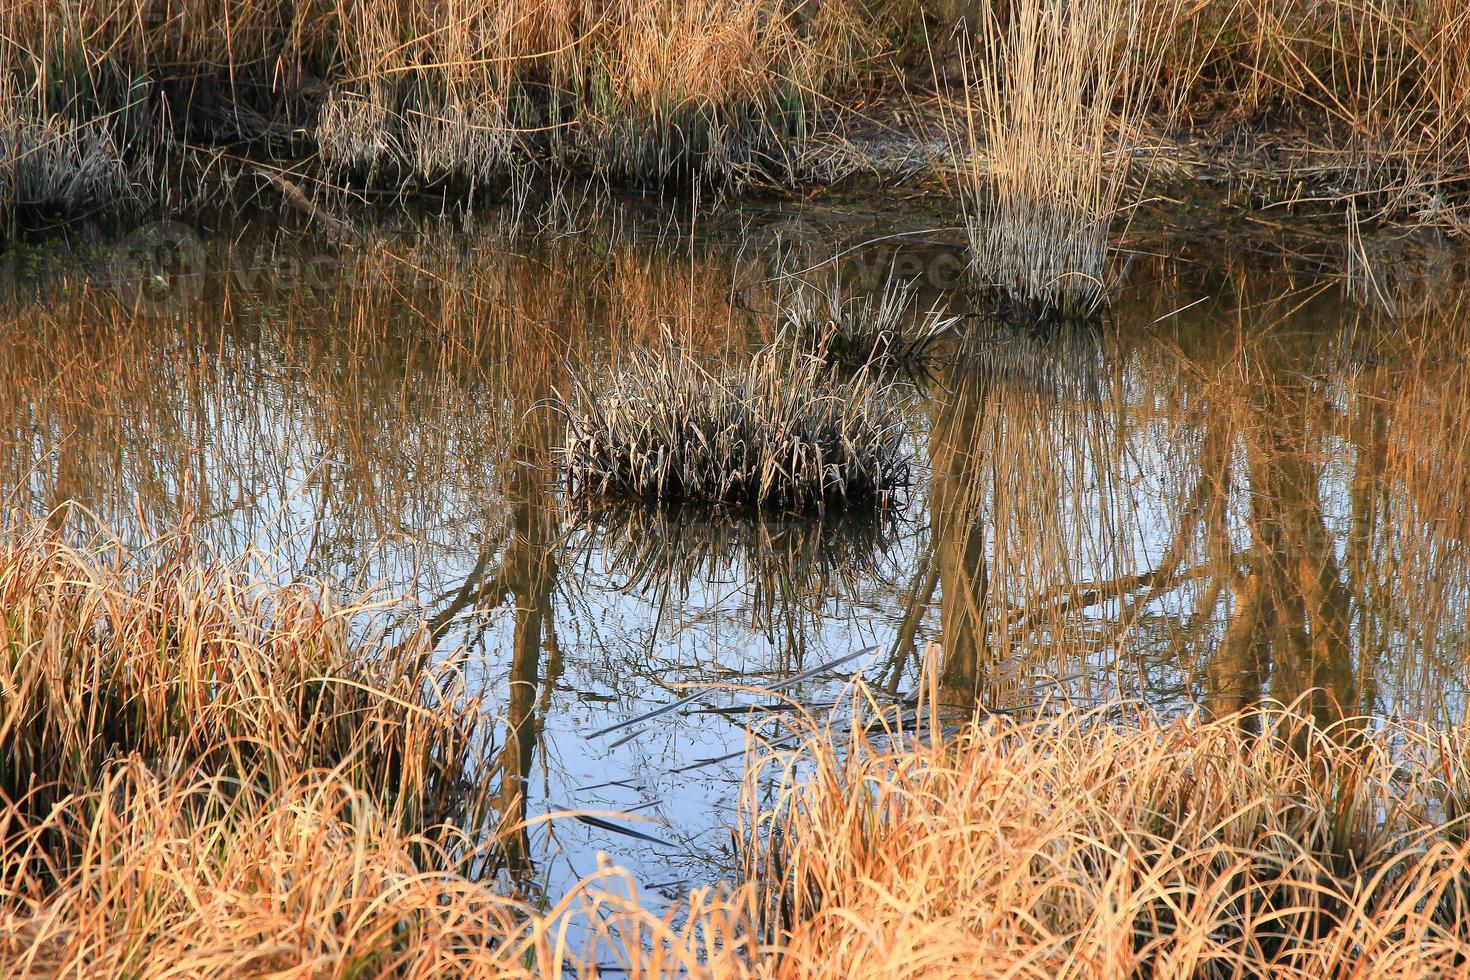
pixel 858 330
pixel 781 432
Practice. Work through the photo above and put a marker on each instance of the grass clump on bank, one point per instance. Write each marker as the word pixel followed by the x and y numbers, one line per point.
pixel 407 95
pixel 206 774
pixel 1112 843
pixel 782 432
pixel 193 664
pixel 1056 85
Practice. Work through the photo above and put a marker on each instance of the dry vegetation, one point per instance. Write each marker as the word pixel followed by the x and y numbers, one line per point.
pixel 782 432
pixel 1112 844
pixel 103 105
pixel 1366 105
pixel 459 94
pixel 208 775
pixel 1056 83
pixel 212 776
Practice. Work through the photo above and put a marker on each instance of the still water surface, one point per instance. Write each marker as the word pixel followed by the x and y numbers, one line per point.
pixel 1249 482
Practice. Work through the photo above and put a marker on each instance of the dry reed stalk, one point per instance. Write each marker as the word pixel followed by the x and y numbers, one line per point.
pixel 1058 90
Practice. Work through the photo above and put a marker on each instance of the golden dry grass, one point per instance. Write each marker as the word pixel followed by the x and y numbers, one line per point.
pixel 101 105
pixel 209 775
pixel 245 838
pixel 1364 105
pixel 1112 843
pixel 1056 82
pixel 458 94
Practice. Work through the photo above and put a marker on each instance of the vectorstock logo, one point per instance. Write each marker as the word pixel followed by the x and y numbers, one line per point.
pixel 158 269
pixel 807 252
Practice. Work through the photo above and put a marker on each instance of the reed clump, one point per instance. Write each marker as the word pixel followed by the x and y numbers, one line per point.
pixel 780 432
pixel 1113 843
pixel 190 663
pixel 1058 84
pixel 883 330
pixel 208 774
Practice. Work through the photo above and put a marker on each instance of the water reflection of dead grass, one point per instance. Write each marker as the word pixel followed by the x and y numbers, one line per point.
pixel 400 377
pixel 791 565
pixel 1230 509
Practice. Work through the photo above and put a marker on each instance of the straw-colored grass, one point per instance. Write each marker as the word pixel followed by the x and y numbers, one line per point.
pixel 205 774
pixel 1057 82
pixel 1112 843
pixel 266 798
pixel 454 95
pixel 103 105
pixel 187 662
pixel 782 431
pixel 186 875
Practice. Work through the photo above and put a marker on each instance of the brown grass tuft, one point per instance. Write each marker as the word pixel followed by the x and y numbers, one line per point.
pixel 1114 843
pixel 782 432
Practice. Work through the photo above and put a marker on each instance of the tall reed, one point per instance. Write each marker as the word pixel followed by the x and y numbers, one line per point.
pixel 1058 86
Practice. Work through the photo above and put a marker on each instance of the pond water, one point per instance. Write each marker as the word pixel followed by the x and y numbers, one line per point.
pixel 1248 482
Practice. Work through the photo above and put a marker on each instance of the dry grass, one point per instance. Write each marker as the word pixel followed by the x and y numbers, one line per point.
pixel 1383 89
pixel 781 432
pixel 99 101
pixel 187 662
pixel 458 94
pixel 210 775
pixel 1056 83
pixel 188 876
pixel 882 330
pixel 241 785
pixel 1112 843
pixel 1360 105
